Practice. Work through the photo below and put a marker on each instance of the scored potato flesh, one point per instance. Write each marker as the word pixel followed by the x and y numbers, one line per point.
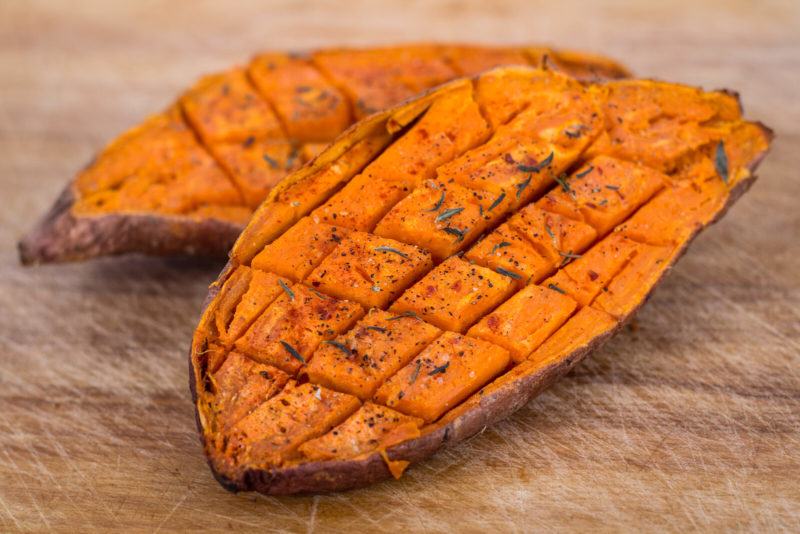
pixel 499 248
pixel 232 136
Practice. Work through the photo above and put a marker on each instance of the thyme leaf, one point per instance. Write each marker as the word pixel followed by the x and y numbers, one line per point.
pixel 555 287
pixel 510 274
pixel 563 183
pixel 341 346
pixel 584 173
pixel 271 162
pixel 286 289
pixel 456 232
pixel 403 315
pixel 613 187
pixel 499 246
pixel 415 374
pixel 539 166
pixel 498 200
pixel 439 370
pixel 446 214
pixel 523 185
pixel 438 205
pixel 291 350
pixel 376 328
pixel 721 162
pixel 392 250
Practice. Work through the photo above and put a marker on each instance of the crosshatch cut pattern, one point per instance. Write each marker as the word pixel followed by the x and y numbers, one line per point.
pixel 444 261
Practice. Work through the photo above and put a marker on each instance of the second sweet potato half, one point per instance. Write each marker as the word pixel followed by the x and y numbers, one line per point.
pixel 442 262
pixel 186 180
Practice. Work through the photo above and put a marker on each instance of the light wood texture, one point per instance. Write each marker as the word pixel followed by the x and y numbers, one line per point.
pixel 689 421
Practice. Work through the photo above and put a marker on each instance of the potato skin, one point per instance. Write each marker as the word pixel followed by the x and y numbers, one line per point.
pixel 340 475
pixel 60 236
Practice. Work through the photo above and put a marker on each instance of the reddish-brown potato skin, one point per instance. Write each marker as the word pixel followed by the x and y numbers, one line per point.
pixel 62 236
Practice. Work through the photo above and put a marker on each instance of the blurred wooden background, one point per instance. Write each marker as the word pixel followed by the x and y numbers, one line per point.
pixel 691 421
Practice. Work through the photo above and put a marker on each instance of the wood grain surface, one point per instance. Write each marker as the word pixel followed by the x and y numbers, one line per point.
pixel 688 421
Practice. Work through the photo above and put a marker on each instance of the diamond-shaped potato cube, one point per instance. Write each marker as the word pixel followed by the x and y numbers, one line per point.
pixel 585 327
pixel 507 174
pixel 243 297
pixel 584 278
pixel 370 270
pixel 628 289
pixel 604 192
pixel 442 218
pixel 242 385
pixel 361 203
pixel 310 107
pixel 446 372
pixel 291 328
pixel 358 361
pixel 532 244
pixel 274 430
pixel 225 107
pixel 371 428
pixel 455 294
pixel 525 320
pixel 450 126
pixel 257 165
pixel 301 248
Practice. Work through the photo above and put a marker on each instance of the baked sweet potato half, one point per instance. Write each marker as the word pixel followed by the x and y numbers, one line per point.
pixel 444 261
pixel 186 181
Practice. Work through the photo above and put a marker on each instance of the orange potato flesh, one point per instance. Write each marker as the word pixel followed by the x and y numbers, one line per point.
pixel 585 277
pixel 284 106
pixel 533 243
pixel 261 289
pixel 310 108
pixel 455 294
pixel 287 332
pixel 256 165
pixel 442 218
pixel 298 251
pixel 442 375
pixel 524 170
pixel 464 328
pixel 630 286
pixel 603 193
pixel 227 108
pixel 525 320
pixel 274 430
pixel 361 359
pixel 243 385
pixel 361 203
pixel 450 126
pixel 378 78
pixel 579 331
pixel 370 270
pixel 372 427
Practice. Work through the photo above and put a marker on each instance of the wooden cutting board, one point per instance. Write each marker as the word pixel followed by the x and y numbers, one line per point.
pixel 688 420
